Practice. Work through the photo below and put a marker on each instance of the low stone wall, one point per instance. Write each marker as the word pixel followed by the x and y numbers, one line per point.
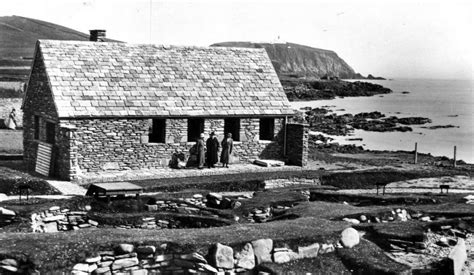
pixel 149 259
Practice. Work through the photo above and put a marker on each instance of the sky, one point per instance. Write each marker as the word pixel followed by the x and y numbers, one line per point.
pixel 390 38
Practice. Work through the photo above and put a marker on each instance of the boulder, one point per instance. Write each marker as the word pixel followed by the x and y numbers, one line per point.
pixel 310 251
pixel 81 267
pixel 222 256
pixel 194 257
pixel 93 260
pixel 6 212
pixel 262 249
pixel 326 248
pixel 124 263
pixel 245 258
pixel 350 237
pixel 353 221
pixel 208 268
pixel 54 208
pixel 102 270
pixel 281 257
pixel 125 248
pixel 457 257
pixel 9 268
pixel 9 262
pixel 50 227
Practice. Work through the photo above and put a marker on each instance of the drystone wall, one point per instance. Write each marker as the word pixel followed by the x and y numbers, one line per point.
pixel 38 102
pixel 151 259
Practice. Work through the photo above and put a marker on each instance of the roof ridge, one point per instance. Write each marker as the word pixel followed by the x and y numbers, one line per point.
pixel 161 46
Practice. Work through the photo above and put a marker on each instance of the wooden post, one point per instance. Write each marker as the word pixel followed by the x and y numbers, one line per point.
pixel 415 160
pixel 454 163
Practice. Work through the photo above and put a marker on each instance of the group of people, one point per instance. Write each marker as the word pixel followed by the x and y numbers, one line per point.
pixel 207 153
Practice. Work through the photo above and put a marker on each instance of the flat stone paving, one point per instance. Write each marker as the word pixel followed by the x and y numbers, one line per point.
pixel 160 173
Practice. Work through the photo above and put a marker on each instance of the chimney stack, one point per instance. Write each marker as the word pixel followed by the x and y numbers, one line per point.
pixel 97 35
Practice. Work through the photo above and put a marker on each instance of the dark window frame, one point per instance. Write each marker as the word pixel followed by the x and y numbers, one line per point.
pixel 50 132
pixel 195 128
pixel 157 131
pixel 267 128
pixel 36 122
pixel 232 125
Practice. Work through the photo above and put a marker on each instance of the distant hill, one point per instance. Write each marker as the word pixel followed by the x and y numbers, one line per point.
pixel 18 36
pixel 294 60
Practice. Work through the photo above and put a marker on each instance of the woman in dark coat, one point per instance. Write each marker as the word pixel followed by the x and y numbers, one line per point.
pixel 201 157
pixel 212 145
pixel 227 146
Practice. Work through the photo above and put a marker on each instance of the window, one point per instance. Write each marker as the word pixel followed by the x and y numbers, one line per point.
pixel 50 132
pixel 267 127
pixel 195 128
pixel 232 125
pixel 157 133
pixel 37 126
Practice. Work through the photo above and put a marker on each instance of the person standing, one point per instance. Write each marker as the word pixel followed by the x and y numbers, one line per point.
pixel 212 145
pixel 201 158
pixel 11 124
pixel 227 146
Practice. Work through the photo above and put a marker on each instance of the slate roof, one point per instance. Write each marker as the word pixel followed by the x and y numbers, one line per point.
pixel 106 79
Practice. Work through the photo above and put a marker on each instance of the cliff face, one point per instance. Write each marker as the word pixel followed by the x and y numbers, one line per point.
pixel 295 60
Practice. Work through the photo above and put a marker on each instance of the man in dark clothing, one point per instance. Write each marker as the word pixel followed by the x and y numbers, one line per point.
pixel 212 145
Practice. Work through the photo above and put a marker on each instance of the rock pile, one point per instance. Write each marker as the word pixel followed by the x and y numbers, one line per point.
pixel 399 214
pixel 149 259
pixel 56 219
pixel 6 216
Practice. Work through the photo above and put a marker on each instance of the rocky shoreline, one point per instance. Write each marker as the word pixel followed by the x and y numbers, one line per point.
pixel 323 120
pixel 303 89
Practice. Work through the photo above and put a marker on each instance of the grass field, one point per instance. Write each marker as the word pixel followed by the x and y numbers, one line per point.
pixel 11 142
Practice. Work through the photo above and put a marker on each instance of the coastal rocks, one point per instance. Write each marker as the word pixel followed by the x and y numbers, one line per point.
pixel 322 120
pixel 314 90
pixel 350 237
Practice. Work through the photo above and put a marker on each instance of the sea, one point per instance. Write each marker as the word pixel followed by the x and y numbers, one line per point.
pixel 445 102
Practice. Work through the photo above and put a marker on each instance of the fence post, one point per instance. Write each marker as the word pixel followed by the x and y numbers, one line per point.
pixel 454 164
pixel 415 160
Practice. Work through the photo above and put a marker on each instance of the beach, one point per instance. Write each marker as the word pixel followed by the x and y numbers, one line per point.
pixel 445 102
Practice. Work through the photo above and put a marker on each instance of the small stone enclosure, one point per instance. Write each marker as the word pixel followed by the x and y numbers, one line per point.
pixel 116 106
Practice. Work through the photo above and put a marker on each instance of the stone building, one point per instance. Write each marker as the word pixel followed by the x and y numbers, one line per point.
pixel 118 106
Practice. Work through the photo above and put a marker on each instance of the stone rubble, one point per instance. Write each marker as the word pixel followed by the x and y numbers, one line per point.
pixel 6 216
pixel 61 219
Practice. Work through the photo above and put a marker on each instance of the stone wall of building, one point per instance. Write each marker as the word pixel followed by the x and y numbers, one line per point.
pixel 122 143
pixel 38 102
pixel 297 144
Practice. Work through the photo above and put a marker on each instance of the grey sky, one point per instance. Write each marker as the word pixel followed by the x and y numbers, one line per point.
pixel 416 38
